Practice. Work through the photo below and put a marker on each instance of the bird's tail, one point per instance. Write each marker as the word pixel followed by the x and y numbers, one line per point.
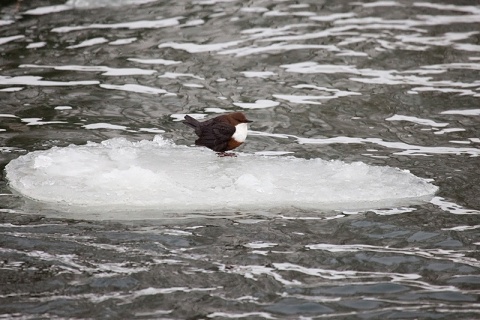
pixel 189 121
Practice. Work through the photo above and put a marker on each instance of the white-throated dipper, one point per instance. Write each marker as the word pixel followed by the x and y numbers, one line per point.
pixel 221 133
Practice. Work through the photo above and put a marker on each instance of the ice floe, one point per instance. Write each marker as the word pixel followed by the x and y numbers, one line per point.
pixel 158 175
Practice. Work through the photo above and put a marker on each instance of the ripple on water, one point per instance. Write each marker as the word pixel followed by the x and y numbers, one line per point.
pixel 412 67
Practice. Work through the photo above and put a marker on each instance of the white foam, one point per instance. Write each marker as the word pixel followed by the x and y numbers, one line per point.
pixel 192 85
pixel 449 90
pixel 426 253
pixel 195 48
pixel 107 71
pixel 37 81
pixel 300 99
pixel 12 38
pixel 49 9
pixel 135 88
pixel 193 23
pixel 256 33
pixel 460 141
pixel 452 207
pixel 462 228
pixel 39 122
pixel 448 130
pixel 260 245
pixel 333 17
pixel 216 110
pixel 210 2
pixel 254 9
pixel 144 24
pixel 378 4
pixel 11 89
pixel 448 7
pixel 467 46
pixel 394 77
pixel 276 47
pixel 89 43
pixel 232 315
pixel 154 61
pixel 446 39
pixel 151 130
pixel 467 112
pixel 259 104
pixel 308 99
pixel 337 93
pixel 408 149
pixel 298 6
pixel 88 4
pixel 35 45
pixel 104 126
pixel 119 42
pixel 174 75
pixel 158 175
pixel 6 22
pixel 258 74
pixel 425 122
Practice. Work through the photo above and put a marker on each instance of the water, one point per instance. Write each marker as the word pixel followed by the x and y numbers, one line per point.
pixel 389 84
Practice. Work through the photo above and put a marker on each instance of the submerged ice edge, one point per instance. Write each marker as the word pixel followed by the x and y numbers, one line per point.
pixel 142 175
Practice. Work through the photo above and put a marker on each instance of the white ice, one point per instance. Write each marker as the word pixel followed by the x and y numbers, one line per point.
pixel 118 175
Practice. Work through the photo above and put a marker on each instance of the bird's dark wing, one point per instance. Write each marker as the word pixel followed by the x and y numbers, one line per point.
pixel 215 135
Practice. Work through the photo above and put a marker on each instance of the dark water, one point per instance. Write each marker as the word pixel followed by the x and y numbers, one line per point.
pixel 387 83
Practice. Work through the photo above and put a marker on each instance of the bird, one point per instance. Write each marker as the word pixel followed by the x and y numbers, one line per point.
pixel 222 133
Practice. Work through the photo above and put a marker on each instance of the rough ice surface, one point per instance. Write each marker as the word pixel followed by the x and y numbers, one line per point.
pixel 117 174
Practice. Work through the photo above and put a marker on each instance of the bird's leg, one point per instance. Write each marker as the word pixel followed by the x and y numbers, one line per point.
pixel 226 154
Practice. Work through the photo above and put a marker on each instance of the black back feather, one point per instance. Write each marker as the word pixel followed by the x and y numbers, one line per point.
pixel 213 134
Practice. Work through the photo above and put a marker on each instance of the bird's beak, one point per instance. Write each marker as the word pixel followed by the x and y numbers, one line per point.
pixel 248 121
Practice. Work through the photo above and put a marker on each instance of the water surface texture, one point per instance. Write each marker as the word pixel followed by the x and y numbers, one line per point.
pixel 371 104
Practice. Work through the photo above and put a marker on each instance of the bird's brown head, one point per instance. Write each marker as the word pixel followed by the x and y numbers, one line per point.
pixel 237 117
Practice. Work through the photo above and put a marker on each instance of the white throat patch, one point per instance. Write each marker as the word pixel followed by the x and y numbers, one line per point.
pixel 240 132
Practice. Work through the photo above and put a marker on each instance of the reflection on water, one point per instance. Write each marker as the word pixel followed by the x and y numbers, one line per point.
pixel 387 83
